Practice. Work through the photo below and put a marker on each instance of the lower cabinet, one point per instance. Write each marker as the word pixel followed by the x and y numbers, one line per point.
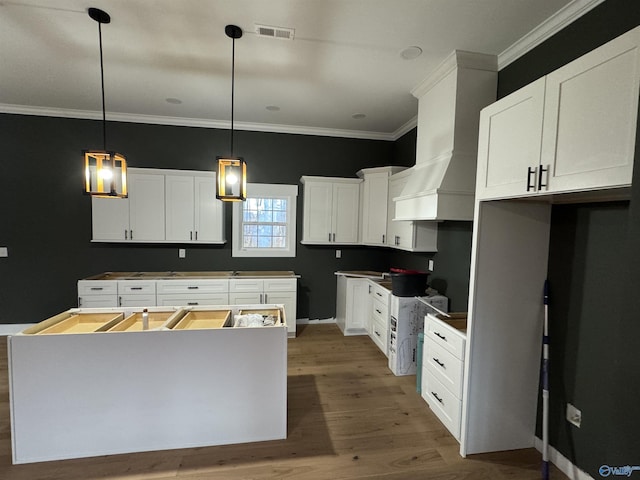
pixel 442 370
pixel 192 292
pixel 352 298
pixel 136 293
pixel 267 290
pixel 97 293
pixel 379 316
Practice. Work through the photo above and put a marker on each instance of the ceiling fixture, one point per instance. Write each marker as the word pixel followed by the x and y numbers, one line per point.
pixel 411 53
pixel 232 171
pixel 105 171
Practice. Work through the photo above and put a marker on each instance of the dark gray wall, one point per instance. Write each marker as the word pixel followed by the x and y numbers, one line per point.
pixel 594 266
pixel 46 221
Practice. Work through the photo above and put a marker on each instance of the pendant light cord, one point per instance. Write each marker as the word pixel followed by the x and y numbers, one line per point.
pixel 104 116
pixel 233 70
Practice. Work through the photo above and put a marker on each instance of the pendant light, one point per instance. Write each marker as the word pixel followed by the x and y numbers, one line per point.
pixel 232 171
pixel 105 172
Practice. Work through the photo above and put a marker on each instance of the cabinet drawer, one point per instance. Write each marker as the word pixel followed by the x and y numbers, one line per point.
pixel 379 311
pixel 380 293
pixel 442 402
pixel 379 335
pixel 192 286
pixel 135 287
pixel 280 285
pixel 189 300
pixel 246 285
pixel 97 287
pixel 446 336
pixel 443 366
pixel 97 301
pixel 137 300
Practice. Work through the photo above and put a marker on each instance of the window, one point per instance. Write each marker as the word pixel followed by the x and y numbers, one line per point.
pixel 265 224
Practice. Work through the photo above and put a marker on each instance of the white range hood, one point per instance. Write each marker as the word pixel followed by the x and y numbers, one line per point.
pixel 442 183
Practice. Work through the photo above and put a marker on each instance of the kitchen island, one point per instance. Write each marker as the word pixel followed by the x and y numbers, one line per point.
pixel 131 289
pixel 91 382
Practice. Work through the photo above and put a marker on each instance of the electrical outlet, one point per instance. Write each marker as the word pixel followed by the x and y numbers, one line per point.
pixel 574 416
pixel 431 265
pixel 338 253
pixel 182 253
pixel 4 252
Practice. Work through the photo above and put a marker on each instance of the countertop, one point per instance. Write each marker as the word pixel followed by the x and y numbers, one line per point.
pixel 193 275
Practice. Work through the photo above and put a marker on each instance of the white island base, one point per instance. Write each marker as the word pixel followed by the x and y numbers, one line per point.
pixel 86 394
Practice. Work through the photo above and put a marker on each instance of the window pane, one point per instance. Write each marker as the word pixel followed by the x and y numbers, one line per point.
pixel 250 216
pixel 279 204
pixel 280 217
pixel 251 230
pixel 251 204
pixel 279 231
pixel 264 242
pixel 265 216
pixel 265 230
pixel 249 242
pixel 279 242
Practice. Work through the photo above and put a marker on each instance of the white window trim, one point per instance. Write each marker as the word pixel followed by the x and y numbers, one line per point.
pixel 266 190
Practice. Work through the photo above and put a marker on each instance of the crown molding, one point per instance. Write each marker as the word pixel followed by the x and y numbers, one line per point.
pixel 546 29
pixel 203 123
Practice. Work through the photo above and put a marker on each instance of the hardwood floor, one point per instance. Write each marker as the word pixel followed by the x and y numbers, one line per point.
pixel 349 418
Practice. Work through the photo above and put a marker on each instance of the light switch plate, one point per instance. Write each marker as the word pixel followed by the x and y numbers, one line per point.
pixel 430 265
pixel 182 253
pixel 4 252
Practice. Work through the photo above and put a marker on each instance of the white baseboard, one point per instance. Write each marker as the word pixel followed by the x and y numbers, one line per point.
pixel 563 463
pixel 13 328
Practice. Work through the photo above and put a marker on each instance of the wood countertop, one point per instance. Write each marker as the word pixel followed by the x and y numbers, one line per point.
pixel 193 275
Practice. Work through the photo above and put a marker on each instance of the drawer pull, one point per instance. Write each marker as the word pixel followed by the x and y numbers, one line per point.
pixel 193 288
pixel 192 303
pixel 437 397
pixel 375 331
pixel 438 362
pixel 530 186
pixel 379 294
pixel 440 335
pixel 540 173
pixel 379 312
pixel 136 288
pixel 96 288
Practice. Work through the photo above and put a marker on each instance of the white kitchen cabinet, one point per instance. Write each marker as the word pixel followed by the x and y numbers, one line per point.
pixel 138 218
pixel 331 210
pixel 180 292
pixel 136 293
pixel 571 131
pixel 193 213
pixel 442 369
pixel 352 298
pixel 378 326
pixel 413 236
pixel 374 204
pixel 97 293
pixel 267 291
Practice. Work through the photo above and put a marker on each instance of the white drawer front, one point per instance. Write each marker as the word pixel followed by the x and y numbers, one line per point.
pixel 97 301
pixel 445 336
pixel 246 285
pixel 192 286
pixel 137 300
pixel 380 293
pixel 280 285
pixel 97 287
pixel 136 287
pixel 444 366
pixel 190 300
pixel 442 402
pixel 379 334
pixel 380 311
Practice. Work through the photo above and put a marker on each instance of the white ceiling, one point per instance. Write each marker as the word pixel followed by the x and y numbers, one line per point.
pixel 344 60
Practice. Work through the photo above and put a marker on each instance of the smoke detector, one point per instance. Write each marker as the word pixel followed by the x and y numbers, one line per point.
pixel 282 33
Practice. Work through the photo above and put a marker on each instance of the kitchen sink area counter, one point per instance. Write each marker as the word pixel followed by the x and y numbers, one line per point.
pixel 192 288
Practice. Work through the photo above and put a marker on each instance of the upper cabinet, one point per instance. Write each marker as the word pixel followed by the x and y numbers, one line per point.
pixel 163 206
pixel 331 209
pixel 193 214
pixel 374 204
pixel 138 218
pixel 571 131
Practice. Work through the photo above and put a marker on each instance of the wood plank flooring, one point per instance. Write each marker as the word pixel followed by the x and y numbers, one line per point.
pixel 348 418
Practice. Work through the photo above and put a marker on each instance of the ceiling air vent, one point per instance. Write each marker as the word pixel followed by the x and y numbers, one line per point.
pixel 275 32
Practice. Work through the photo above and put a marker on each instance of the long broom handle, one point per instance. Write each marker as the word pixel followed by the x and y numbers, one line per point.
pixel 545 385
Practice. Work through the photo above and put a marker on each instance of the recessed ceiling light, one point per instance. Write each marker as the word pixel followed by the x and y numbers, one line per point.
pixel 358 116
pixel 273 108
pixel 410 53
pixel 174 101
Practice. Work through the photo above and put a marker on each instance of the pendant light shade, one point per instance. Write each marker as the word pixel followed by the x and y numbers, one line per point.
pixel 105 172
pixel 232 171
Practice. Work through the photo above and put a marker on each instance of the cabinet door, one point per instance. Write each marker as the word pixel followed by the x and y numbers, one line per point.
pixel 398 232
pixel 346 212
pixel 146 207
pixel 209 211
pixel 590 118
pixel 179 208
pixel 509 143
pixel 110 219
pixel 318 201
pixel 374 209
